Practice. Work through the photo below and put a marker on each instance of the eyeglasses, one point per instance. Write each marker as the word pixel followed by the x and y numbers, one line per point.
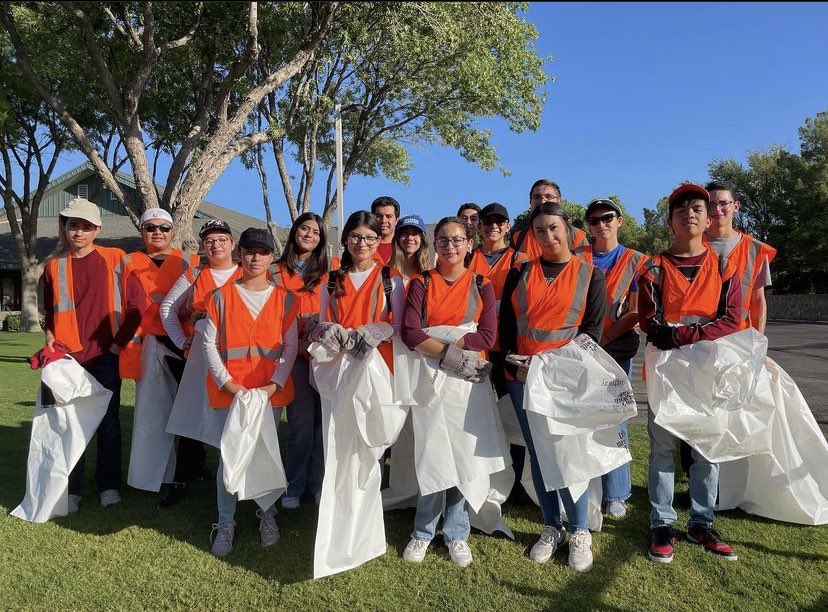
pixel 456 242
pixel 722 204
pixel 150 228
pixel 215 241
pixel 355 239
pixel 607 218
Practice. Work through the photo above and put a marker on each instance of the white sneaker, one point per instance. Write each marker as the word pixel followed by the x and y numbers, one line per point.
pixel 618 509
pixel 460 553
pixel 415 550
pixel 580 551
pixel 110 497
pixel 268 529
pixel 290 503
pixel 74 503
pixel 223 543
pixel 551 537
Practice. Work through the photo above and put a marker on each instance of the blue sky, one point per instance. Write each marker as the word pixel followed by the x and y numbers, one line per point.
pixel 645 96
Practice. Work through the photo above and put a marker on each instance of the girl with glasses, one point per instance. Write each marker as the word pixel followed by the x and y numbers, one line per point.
pixel 449 320
pixel 183 313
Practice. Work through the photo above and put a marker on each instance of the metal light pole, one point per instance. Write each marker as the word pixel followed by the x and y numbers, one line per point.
pixel 339 180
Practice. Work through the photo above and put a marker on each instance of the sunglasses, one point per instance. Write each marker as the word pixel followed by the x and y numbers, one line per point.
pixel 607 218
pixel 150 228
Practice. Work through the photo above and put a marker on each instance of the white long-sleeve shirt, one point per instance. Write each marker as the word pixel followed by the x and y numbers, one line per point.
pixel 255 301
pixel 175 299
pixel 358 279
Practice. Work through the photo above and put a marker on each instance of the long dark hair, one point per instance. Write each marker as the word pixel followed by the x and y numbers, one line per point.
pixel 550 208
pixel 317 262
pixel 357 219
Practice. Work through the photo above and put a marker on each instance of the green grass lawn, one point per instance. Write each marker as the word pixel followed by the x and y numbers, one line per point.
pixel 136 556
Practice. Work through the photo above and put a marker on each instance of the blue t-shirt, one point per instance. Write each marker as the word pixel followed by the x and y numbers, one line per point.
pixel 605 262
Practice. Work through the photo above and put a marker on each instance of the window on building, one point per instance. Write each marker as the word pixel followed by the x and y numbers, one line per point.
pixel 83 190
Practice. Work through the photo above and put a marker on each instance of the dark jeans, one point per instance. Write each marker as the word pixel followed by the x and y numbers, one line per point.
pixel 108 466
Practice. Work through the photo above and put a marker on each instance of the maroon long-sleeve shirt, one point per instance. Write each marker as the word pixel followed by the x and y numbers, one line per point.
pixel 727 316
pixel 412 326
pixel 90 286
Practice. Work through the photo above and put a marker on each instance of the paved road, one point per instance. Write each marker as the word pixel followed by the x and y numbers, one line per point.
pixel 802 351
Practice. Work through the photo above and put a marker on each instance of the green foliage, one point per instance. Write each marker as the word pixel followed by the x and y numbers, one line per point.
pixel 784 202
pixel 655 235
pixel 12 323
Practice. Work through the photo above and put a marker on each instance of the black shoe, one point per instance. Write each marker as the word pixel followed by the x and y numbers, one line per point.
pixel 171 494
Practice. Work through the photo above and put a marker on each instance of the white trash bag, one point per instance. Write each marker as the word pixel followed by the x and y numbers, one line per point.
pixel 60 433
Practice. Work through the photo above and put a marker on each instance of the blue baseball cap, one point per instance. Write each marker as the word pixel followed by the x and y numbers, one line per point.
pixel 411 221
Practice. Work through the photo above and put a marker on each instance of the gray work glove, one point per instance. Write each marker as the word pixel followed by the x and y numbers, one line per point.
pixel 522 362
pixel 468 365
pixel 367 337
pixel 330 335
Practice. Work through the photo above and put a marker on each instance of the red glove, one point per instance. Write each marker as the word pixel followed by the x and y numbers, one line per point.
pixel 44 356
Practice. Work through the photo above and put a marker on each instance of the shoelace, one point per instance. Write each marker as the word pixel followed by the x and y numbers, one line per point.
pixel 549 535
pixel 419 545
pixel 224 531
pixel 579 539
pixel 268 524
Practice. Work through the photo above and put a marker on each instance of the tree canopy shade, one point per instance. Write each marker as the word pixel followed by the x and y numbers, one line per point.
pixel 784 202
pixel 179 78
pixel 406 74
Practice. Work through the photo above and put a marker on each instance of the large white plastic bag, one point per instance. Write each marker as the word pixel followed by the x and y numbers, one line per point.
pixel 789 483
pixel 60 434
pixel 350 528
pixel 191 415
pixel 250 449
pixel 402 487
pixel 152 456
pixel 575 443
pixel 705 394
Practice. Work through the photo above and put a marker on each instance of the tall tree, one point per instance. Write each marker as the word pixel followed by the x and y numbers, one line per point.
pixel 176 78
pixel 406 74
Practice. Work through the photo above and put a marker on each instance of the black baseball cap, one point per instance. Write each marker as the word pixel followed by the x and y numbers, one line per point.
pixel 494 209
pixel 214 225
pixel 602 203
pixel 256 237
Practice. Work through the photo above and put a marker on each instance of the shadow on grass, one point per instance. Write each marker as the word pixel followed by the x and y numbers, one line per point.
pixel 29 404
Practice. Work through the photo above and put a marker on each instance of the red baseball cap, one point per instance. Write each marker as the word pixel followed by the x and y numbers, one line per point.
pixel 688 188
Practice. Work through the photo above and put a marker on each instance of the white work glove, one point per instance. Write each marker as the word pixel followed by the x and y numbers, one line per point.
pixel 367 337
pixel 468 365
pixel 330 335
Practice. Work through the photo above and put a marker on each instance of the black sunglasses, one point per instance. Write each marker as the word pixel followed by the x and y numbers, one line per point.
pixel 607 218
pixel 150 228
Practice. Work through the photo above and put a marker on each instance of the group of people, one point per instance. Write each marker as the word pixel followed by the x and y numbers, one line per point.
pixel 436 338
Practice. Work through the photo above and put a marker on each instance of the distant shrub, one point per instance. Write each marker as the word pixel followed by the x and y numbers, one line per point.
pixel 12 323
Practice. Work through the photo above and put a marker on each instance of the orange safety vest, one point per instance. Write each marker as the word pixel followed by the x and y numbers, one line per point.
pixel 497 273
pixel 368 305
pixel 525 242
pixel 195 304
pixel 548 315
pixel 63 298
pixel 618 279
pixel 157 282
pixel 250 349
pixel 745 262
pixel 682 301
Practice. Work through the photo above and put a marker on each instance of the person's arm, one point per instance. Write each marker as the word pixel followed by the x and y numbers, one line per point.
pixel 507 322
pixel 625 323
pixel 484 338
pixel 136 304
pixel 726 321
pixel 48 308
pixel 411 328
pixel 646 304
pixel 290 347
pixel 759 305
pixel 397 301
pixel 169 311
pixel 595 310
pixel 215 365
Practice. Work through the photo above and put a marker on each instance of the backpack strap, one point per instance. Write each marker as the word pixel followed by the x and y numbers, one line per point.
pixel 387 286
pixel 332 277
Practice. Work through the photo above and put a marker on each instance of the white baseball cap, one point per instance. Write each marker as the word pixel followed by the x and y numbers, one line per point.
pixel 155 213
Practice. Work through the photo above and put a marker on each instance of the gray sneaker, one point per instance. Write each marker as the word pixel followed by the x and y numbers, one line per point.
pixel 460 552
pixel 268 529
pixel 415 551
pixel 74 503
pixel 618 509
pixel 580 551
pixel 551 537
pixel 290 503
pixel 223 543
pixel 110 497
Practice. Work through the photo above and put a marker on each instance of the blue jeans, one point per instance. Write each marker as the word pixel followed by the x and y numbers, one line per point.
pixel 704 480
pixel 617 484
pixel 455 518
pixel 108 465
pixel 225 500
pixel 304 456
pixel 576 511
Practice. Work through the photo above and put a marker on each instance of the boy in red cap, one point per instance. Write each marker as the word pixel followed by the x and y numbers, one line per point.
pixel 683 299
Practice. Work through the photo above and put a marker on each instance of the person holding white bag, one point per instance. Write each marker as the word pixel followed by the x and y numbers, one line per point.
pixel 547 302
pixel 250 342
pixel 183 313
pixel 457 434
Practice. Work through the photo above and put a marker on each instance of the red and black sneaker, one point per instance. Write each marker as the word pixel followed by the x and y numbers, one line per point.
pixel 662 541
pixel 711 540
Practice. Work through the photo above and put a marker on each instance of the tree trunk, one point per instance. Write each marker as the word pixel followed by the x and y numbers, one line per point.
pixel 29 312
